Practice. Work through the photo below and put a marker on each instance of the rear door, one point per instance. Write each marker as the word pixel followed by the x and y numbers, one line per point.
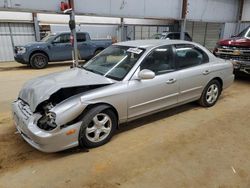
pixel 61 48
pixel 145 96
pixel 194 71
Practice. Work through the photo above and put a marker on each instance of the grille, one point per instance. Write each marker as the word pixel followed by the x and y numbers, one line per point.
pixel 230 53
pixel 25 109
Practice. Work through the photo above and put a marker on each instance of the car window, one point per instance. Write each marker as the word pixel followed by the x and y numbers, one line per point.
pixel 187 37
pixel 170 36
pixel 159 61
pixel 114 62
pixel 189 55
pixel 177 36
pixel 81 37
pixel 242 33
pixel 63 38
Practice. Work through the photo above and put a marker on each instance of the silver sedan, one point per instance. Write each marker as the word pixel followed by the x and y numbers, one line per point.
pixel 85 105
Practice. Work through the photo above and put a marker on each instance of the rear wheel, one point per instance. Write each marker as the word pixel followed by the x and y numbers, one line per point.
pixel 210 94
pixel 97 51
pixel 99 125
pixel 38 61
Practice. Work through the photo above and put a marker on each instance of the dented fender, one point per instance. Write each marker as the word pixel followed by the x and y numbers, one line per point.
pixel 68 110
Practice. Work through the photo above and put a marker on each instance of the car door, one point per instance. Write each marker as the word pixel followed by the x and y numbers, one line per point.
pixel 85 47
pixel 145 96
pixel 61 48
pixel 193 68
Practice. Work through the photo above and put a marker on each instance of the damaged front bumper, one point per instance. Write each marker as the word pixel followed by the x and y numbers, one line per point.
pixel 45 141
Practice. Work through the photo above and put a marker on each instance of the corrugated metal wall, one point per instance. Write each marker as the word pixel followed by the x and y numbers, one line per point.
pixel 206 34
pixel 14 34
pixel 6 50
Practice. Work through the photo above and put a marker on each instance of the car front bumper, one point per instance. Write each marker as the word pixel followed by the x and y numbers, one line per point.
pixel 20 58
pixel 45 141
pixel 241 66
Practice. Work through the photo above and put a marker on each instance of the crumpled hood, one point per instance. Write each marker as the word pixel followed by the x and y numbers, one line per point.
pixel 40 89
pixel 235 41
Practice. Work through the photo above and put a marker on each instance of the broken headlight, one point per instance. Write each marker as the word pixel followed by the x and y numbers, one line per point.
pixel 47 121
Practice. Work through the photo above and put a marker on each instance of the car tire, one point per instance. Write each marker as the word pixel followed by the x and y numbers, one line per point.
pixel 97 52
pixel 210 94
pixel 38 61
pixel 98 127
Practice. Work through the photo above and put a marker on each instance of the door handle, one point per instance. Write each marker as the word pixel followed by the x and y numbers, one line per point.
pixel 206 72
pixel 171 81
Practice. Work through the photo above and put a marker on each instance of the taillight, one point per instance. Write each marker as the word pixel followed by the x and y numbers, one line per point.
pixel 64 6
pixel 72 40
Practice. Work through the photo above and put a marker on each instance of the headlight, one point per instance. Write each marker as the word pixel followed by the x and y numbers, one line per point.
pixel 47 121
pixel 21 50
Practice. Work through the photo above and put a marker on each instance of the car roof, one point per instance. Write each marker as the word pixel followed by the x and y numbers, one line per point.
pixel 148 44
pixel 67 32
pixel 171 32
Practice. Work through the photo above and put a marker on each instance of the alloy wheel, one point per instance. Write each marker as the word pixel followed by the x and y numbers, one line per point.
pixel 99 128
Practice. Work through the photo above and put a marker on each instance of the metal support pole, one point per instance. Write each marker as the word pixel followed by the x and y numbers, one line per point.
pixel 183 28
pixel 36 26
pixel 122 30
pixel 11 38
pixel 73 33
pixel 239 16
pixel 184 20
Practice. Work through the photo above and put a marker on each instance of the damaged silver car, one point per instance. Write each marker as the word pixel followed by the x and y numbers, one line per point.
pixel 85 105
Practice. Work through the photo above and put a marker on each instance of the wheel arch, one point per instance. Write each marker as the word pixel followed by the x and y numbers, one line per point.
pixel 99 48
pixel 219 80
pixel 39 51
pixel 90 106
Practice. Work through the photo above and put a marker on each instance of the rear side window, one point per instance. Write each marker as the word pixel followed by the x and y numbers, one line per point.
pixel 174 36
pixel 189 56
pixel 160 61
pixel 81 37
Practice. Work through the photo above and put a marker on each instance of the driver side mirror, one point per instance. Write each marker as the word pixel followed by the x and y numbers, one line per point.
pixel 146 74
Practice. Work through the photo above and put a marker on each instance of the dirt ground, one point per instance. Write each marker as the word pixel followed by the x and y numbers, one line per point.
pixel 188 146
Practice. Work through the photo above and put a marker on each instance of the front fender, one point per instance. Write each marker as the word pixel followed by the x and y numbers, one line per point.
pixel 68 110
pixel 39 49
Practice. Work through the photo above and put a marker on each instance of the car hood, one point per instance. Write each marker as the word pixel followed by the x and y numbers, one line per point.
pixel 36 44
pixel 40 89
pixel 235 41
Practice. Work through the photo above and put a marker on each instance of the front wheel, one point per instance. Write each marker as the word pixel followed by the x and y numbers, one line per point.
pixel 210 94
pixel 99 125
pixel 38 61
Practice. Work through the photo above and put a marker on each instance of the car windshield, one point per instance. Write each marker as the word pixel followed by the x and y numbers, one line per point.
pixel 48 38
pixel 242 33
pixel 114 62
